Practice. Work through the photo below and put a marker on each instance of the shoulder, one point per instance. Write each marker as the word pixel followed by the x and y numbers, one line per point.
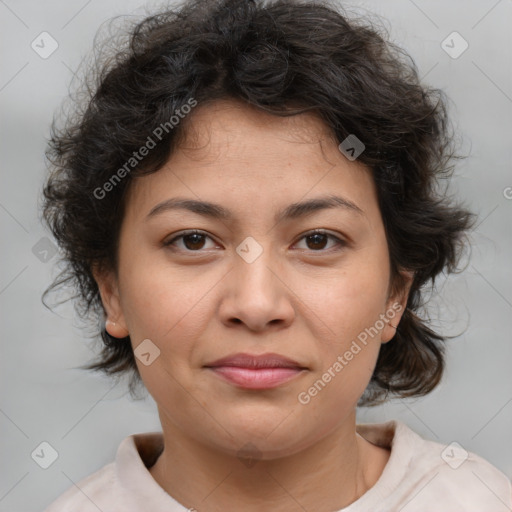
pixel 449 474
pixel 124 484
pixel 422 474
pixel 87 494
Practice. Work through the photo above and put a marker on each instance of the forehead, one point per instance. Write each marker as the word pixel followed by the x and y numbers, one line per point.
pixel 232 150
pixel 211 122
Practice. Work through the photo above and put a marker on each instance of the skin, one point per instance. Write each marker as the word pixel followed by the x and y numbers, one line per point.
pixel 198 300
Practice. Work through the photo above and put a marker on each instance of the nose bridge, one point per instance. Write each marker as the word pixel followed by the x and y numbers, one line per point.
pixel 253 264
pixel 256 296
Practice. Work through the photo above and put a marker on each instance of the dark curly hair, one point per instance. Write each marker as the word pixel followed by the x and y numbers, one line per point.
pixel 284 57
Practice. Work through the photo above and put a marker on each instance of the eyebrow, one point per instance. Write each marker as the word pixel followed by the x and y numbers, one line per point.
pixel 292 211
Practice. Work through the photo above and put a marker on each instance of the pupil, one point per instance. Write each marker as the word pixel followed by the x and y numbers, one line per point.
pixel 316 240
pixel 196 239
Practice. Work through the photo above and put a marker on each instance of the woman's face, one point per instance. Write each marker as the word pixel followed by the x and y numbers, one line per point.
pixel 254 282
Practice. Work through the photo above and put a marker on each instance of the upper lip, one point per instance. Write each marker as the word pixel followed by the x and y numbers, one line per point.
pixel 256 361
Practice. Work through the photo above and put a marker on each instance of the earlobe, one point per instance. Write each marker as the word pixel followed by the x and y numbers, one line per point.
pixel 109 292
pixel 115 330
pixel 389 331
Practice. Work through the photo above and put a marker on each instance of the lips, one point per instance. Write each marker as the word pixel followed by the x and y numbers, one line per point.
pixel 256 371
pixel 255 361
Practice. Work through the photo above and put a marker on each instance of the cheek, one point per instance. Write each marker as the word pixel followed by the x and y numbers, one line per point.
pixel 351 301
pixel 348 357
pixel 351 307
pixel 170 310
pixel 158 299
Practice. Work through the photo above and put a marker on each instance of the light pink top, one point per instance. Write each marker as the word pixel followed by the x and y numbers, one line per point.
pixel 420 476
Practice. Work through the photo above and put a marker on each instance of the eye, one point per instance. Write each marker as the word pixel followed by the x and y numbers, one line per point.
pixel 317 239
pixel 193 241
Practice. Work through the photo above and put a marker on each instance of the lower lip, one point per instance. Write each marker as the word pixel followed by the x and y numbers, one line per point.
pixel 262 378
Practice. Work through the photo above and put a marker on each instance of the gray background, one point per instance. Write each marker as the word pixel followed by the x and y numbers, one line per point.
pixel 82 415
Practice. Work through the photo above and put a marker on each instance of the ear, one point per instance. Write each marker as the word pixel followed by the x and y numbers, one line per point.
pixel 110 298
pixel 396 305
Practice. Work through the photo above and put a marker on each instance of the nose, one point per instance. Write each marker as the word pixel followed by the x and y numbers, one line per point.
pixel 257 295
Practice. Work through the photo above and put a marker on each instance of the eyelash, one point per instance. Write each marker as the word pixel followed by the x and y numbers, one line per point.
pixel 341 243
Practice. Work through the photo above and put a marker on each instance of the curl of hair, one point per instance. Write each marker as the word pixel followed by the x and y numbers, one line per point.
pixel 285 57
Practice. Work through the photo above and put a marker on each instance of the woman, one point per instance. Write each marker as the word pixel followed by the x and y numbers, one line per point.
pixel 250 202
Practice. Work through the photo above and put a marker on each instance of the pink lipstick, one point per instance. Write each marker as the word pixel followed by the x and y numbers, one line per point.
pixel 263 371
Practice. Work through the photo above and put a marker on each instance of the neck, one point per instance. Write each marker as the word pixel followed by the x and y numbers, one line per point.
pixel 327 476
